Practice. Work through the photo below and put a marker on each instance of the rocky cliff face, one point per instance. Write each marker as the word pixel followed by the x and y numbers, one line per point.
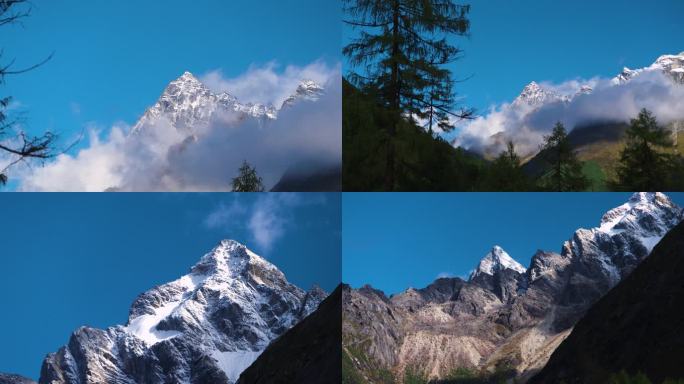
pixel 505 318
pixel 205 327
pixel 635 327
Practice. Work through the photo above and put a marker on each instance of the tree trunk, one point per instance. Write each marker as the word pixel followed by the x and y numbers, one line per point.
pixel 396 103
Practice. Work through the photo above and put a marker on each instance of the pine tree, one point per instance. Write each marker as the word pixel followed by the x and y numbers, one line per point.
pixel 402 48
pixel 506 173
pixel 565 170
pixel 247 179
pixel 643 166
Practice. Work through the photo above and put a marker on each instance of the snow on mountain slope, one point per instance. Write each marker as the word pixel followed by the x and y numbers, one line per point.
pixel 496 260
pixel 536 95
pixel 626 234
pixel 306 90
pixel 207 326
pixel 672 65
pixel 188 104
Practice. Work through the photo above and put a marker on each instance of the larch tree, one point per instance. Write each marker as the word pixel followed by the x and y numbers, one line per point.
pixel 644 163
pixel 564 173
pixel 400 52
pixel 506 173
pixel 247 179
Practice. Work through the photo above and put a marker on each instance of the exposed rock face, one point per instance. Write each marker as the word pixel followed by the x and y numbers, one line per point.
pixel 505 317
pixel 635 327
pixel 206 327
pixel 309 353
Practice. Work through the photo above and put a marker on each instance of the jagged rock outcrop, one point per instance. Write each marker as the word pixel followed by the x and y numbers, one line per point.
pixel 505 318
pixel 635 327
pixel 205 327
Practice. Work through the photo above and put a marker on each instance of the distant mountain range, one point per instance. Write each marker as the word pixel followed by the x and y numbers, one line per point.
pixel 189 105
pixel 205 327
pixel 536 95
pixel 505 321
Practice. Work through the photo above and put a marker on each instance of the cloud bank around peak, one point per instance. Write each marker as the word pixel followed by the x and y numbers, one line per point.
pixel 269 83
pixel 162 158
pixel 267 218
pixel 526 126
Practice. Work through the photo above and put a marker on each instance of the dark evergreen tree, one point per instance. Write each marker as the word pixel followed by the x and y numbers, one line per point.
pixel 644 163
pixel 19 147
pixel 401 49
pixel 439 98
pixel 564 171
pixel 506 173
pixel 247 179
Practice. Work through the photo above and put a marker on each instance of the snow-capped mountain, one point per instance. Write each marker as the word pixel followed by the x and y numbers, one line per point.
pixel 189 104
pixel 672 65
pixel 534 95
pixel 206 326
pixel 306 90
pixel 625 236
pixel 496 260
pixel 504 315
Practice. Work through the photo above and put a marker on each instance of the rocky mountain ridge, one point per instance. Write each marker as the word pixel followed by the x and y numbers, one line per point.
pixel 509 321
pixel 189 105
pixel 207 326
pixel 634 328
pixel 536 95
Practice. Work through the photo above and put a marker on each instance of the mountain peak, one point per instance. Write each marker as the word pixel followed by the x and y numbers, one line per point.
pixel 306 90
pixel 496 260
pixel 535 95
pixel 210 325
pixel 671 65
pixel 230 259
pixel 189 79
pixel 647 197
pixel 187 75
pixel 655 205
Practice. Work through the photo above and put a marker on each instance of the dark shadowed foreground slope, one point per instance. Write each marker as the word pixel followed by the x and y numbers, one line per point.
pixel 310 352
pixel 636 327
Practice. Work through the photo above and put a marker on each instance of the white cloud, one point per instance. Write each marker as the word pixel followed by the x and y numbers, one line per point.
pixel 526 126
pixel 224 214
pixel 266 219
pixel 307 134
pixel 266 84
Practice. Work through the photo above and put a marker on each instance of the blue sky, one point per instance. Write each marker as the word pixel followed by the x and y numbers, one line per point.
pixel 398 240
pixel 114 58
pixel 81 259
pixel 515 42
